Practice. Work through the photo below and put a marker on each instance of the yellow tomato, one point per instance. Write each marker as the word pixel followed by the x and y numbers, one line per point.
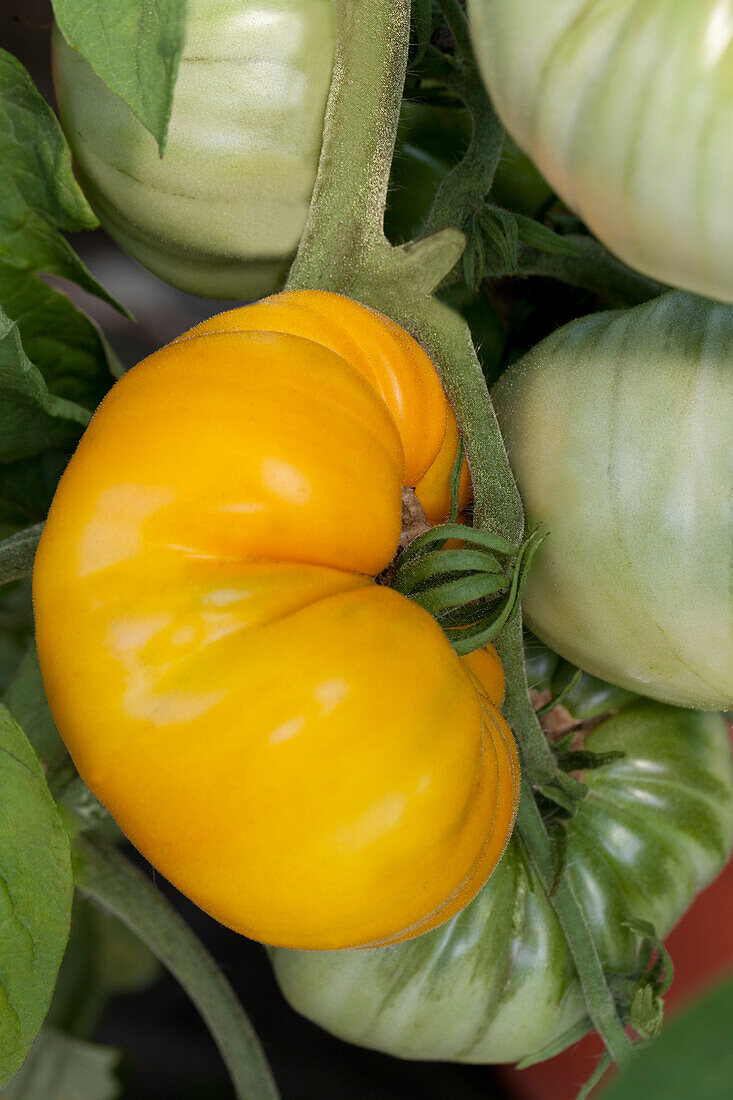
pixel 297 748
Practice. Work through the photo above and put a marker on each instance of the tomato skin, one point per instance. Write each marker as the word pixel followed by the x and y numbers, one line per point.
pixel 626 108
pixel 497 983
pixel 297 748
pixel 222 213
pixel 618 431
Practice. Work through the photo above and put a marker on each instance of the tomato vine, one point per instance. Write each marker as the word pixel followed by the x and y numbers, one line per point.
pixel 344 249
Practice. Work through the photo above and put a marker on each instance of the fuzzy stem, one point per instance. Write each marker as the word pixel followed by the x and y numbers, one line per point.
pixel 108 878
pixel 345 222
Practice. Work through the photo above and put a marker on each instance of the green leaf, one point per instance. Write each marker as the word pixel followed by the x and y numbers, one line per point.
pixel 27 488
pixel 60 1067
pixel 40 201
pixel 134 46
pixel 501 234
pixel 59 339
pixel 31 419
pixel 39 197
pixel 35 895
pixel 692 1057
pixel 17 554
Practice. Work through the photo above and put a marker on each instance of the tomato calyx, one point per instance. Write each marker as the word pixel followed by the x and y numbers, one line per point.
pixel 639 995
pixel 472 591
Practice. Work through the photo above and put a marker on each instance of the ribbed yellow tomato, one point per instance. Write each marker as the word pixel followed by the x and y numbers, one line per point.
pixel 296 747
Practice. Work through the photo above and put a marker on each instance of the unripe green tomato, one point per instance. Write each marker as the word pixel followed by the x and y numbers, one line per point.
pixel 497 982
pixel 626 107
pixel 618 428
pixel 222 213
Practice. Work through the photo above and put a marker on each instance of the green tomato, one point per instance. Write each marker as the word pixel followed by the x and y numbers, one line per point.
pixel 222 213
pixel 618 429
pixel 497 982
pixel 619 432
pixel 626 107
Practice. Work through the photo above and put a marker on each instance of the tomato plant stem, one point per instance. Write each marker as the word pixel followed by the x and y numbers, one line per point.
pixel 108 878
pixel 344 250
pixel 538 761
pixel 598 996
pixel 464 189
pixel 591 267
pixel 347 210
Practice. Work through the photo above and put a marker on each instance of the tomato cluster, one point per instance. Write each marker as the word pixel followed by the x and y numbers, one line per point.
pixel 210 588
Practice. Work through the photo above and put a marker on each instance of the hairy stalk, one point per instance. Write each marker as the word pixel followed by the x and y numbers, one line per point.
pixel 464 189
pixel 108 878
pixel 591 267
pixel 344 250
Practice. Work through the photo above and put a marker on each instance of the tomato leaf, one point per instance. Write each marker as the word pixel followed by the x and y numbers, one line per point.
pixel 134 46
pixel 35 895
pixel 31 419
pixel 39 197
pixel 40 201
pixel 61 1067
pixel 64 343
pixel 17 553
pixel 501 234
pixel 16 628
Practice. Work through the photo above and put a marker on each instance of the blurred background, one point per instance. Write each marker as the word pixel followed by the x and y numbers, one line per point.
pixel 167 1051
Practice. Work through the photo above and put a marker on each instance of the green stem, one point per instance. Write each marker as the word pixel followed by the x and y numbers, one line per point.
pixel 598 997
pixel 344 250
pixel 538 762
pixel 108 878
pixel 591 267
pixel 539 768
pixel 345 222
pixel 465 187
